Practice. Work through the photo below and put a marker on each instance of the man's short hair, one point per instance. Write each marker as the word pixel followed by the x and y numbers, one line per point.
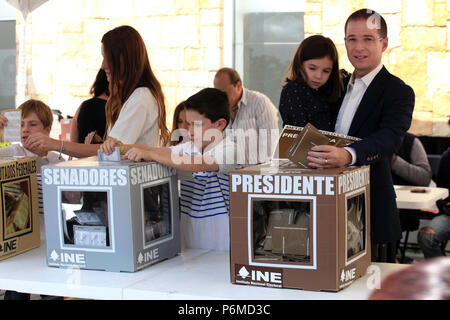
pixel 42 111
pixel 211 103
pixel 233 75
pixel 374 20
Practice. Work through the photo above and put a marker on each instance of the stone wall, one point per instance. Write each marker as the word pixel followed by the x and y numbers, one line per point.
pixel 418 52
pixel 183 39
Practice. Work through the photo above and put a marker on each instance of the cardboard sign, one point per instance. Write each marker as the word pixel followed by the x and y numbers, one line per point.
pixel 290 135
pixel 19 220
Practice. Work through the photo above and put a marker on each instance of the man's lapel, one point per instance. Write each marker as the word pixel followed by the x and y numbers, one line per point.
pixel 369 101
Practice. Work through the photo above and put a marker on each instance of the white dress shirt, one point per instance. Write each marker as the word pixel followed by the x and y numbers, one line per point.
pixel 356 89
pixel 257 118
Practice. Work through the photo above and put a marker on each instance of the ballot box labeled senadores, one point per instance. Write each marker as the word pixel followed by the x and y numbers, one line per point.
pixel 110 215
pixel 19 220
pixel 302 228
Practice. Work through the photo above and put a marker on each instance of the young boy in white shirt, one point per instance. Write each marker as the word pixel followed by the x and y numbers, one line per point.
pixel 204 199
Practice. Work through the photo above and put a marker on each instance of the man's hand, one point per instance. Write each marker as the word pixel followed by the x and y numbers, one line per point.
pixel 325 156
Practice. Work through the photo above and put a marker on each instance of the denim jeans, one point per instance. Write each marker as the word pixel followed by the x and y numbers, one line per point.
pixel 431 243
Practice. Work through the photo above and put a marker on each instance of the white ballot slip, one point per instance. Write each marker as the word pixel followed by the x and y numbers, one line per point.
pixel 11 133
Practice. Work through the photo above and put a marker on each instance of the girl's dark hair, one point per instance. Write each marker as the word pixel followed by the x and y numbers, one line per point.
pixel 317 47
pixel 176 115
pixel 211 103
pixel 100 84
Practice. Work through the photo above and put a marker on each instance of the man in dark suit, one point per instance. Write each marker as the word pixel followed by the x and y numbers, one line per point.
pixel 377 108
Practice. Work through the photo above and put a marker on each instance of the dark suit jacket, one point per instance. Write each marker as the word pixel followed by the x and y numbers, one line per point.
pixel 381 120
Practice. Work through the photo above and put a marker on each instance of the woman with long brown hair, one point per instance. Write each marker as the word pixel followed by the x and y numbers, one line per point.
pixel 135 110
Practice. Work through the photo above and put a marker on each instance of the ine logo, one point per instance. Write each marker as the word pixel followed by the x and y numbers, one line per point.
pixel 348 275
pixel 148 256
pixel 68 258
pixel 259 276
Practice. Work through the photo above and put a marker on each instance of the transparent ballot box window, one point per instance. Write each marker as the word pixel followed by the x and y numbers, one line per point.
pixel 355 225
pixel 85 218
pixel 157 217
pixel 282 231
pixel 16 199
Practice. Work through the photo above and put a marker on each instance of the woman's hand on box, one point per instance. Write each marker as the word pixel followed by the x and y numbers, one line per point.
pixel 109 145
pixel 137 154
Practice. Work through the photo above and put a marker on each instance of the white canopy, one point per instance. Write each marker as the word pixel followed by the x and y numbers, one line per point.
pixel 25 7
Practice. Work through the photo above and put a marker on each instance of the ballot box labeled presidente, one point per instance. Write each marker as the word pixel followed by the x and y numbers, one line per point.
pixel 297 227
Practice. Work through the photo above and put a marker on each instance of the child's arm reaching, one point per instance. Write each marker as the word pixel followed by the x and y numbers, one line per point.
pixel 178 161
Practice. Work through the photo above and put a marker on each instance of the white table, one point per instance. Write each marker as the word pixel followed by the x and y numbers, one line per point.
pixel 194 274
pixel 410 200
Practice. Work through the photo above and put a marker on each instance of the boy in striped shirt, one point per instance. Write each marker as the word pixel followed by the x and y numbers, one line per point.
pixel 209 156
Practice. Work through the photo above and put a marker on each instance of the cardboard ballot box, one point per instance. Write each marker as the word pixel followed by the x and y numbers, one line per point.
pixel 19 220
pixel 107 215
pixel 299 228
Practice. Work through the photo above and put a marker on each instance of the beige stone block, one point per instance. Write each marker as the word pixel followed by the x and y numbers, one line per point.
pixel 71 72
pixel 313 8
pixel 43 30
pixel 150 30
pixel 154 7
pixel 180 31
pixel 167 78
pixel 382 7
pixel 441 127
pixel 313 23
pixel 167 59
pixel 440 13
pixel 393 22
pixel 40 83
pixel 423 104
pixel 194 79
pixel 335 12
pixel 211 36
pixel 417 12
pixel 185 92
pixel 448 35
pixel 187 6
pixel 422 124
pixel 412 68
pixel 441 103
pixel 70 26
pixel 334 33
pixel 194 59
pixel 213 58
pixel 43 57
pixel 211 4
pixel 69 45
pixel 423 39
pixel 438 72
pixel 211 17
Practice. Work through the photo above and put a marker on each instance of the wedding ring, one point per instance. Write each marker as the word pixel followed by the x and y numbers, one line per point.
pixel 326 161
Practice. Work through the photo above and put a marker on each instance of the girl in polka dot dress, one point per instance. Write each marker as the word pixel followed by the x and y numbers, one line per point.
pixel 313 85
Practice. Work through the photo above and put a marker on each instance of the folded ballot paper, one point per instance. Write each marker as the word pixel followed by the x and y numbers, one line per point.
pixel 114 156
pixel 11 133
pixel 295 142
